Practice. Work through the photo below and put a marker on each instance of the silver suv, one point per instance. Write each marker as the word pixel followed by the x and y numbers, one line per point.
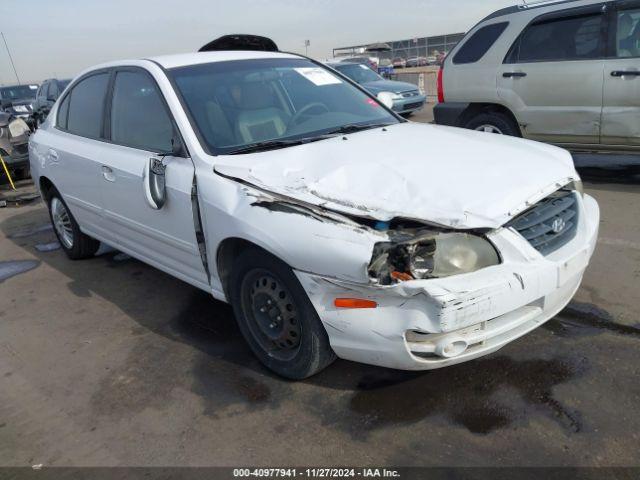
pixel 564 72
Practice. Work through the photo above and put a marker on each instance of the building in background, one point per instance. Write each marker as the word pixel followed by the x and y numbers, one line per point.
pixel 426 47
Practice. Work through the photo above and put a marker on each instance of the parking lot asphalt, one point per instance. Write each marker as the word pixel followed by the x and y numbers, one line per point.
pixel 110 362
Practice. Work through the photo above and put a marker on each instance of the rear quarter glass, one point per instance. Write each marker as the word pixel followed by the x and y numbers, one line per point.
pixel 479 43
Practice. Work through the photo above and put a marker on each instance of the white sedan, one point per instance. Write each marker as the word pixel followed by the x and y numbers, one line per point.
pixel 333 226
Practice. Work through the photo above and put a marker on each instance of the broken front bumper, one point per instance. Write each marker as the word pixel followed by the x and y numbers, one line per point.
pixel 428 324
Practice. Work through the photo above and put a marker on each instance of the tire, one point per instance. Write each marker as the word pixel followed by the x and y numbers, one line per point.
pixel 499 122
pixel 287 337
pixel 75 244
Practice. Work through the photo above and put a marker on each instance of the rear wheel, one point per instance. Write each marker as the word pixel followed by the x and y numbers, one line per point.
pixel 75 244
pixel 493 122
pixel 277 318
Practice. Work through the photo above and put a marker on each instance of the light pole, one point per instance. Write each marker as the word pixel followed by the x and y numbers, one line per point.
pixel 10 57
pixel 307 43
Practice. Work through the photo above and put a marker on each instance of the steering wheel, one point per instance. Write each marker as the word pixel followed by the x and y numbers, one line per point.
pixel 300 113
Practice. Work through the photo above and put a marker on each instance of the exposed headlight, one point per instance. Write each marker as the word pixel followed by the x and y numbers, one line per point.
pixel 21 109
pixel 577 186
pixel 431 255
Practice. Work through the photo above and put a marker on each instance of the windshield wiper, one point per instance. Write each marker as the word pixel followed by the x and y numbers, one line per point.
pixel 268 145
pixel 353 128
pixel 276 144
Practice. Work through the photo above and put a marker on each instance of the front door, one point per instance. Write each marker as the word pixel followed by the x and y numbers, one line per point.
pixel 621 110
pixel 553 75
pixel 139 127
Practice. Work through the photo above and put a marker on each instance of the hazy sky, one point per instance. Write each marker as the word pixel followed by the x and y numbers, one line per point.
pixel 58 38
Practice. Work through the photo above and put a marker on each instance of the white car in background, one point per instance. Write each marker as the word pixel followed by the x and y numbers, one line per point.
pixel 333 226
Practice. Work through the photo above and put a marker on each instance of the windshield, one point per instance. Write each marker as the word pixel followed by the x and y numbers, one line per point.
pixel 359 73
pixel 19 92
pixel 239 103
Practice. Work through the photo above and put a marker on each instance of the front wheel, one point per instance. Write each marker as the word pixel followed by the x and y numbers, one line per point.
pixel 277 318
pixel 493 122
pixel 75 244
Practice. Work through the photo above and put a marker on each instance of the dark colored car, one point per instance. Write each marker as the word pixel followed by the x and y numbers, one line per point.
pixel 17 100
pixel 407 98
pixel 399 62
pixel 14 144
pixel 47 95
pixel 368 61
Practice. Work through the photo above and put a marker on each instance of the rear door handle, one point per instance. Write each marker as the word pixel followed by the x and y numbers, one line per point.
pixel 107 173
pixel 625 73
pixel 514 74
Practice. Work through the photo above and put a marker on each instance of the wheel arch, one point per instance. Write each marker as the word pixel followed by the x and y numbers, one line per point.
pixel 475 109
pixel 46 187
pixel 228 250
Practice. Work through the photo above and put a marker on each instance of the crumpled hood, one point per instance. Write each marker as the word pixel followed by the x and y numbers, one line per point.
pixel 388 86
pixel 447 176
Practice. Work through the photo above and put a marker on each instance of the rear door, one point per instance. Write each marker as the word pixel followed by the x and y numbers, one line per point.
pixel 74 153
pixel 553 76
pixel 621 110
pixel 140 126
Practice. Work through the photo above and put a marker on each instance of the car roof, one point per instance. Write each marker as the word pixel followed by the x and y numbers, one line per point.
pixel 197 58
pixel 532 6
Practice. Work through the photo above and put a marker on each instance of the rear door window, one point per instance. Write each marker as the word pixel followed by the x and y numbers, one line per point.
pixel 479 43
pixel 575 37
pixel 628 33
pixel 86 106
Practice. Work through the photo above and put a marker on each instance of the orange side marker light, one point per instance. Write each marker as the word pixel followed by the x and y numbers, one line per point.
pixel 354 303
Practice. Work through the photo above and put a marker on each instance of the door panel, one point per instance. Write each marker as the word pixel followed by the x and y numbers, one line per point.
pixel 553 76
pixel 621 110
pixel 165 238
pixel 556 102
pixel 75 165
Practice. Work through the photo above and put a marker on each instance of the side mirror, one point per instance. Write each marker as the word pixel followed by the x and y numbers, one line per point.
pixel 154 183
pixel 386 98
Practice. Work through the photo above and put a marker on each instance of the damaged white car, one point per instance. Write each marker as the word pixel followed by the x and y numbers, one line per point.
pixel 332 226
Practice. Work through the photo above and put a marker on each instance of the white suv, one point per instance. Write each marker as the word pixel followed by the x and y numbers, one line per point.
pixel 332 225
pixel 566 73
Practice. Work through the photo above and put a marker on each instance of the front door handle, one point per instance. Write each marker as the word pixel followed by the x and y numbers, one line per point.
pixel 107 173
pixel 625 73
pixel 514 74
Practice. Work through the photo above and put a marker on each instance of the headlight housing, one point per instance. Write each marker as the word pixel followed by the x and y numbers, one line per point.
pixel 394 96
pixel 431 255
